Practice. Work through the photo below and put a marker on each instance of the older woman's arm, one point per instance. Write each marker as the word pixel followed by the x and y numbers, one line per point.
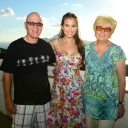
pixel 121 72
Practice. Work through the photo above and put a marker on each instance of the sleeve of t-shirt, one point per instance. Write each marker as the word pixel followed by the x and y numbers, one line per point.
pixel 120 55
pixel 86 51
pixel 9 61
pixel 52 58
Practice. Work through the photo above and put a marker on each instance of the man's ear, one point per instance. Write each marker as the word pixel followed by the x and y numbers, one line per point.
pixel 25 25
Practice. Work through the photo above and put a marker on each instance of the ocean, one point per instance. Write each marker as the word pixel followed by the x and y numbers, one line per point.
pixel 4 45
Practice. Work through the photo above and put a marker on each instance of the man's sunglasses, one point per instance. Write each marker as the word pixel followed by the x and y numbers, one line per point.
pixel 106 29
pixel 38 24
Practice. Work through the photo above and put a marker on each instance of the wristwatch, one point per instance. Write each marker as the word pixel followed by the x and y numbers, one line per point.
pixel 122 102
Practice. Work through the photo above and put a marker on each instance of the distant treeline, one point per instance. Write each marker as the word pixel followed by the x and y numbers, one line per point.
pixel 2 53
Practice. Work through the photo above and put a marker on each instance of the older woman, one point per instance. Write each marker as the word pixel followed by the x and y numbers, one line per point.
pixel 105 70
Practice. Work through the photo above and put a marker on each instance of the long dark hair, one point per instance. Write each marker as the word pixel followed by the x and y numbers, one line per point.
pixel 78 40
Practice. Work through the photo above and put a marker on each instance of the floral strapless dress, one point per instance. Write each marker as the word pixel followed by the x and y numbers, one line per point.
pixel 66 106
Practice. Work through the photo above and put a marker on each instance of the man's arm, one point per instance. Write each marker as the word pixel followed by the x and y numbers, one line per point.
pixel 7 84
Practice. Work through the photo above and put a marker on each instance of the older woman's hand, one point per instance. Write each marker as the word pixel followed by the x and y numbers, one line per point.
pixel 121 111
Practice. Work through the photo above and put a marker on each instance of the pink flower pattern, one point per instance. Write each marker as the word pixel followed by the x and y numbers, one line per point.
pixel 66 105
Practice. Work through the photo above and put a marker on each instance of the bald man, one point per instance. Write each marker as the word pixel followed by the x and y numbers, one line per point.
pixel 25 64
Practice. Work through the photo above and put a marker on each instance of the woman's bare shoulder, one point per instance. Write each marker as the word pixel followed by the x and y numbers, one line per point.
pixel 54 43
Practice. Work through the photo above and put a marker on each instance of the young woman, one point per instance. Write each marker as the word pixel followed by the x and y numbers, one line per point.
pixel 66 105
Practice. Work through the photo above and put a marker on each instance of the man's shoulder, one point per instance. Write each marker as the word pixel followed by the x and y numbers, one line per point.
pixel 17 41
pixel 43 42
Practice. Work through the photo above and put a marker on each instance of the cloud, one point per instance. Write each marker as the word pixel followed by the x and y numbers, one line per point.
pixel 55 24
pixel 78 5
pixel 50 22
pixel 45 20
pixel 7 12
pixel 12 30
pixel 52 18
pixel 21 18
pixel 65 4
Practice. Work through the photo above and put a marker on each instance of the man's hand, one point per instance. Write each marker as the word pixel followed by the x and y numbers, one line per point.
pixel 10 106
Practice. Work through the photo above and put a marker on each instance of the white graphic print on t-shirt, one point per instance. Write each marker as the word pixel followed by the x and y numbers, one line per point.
pixel 33 60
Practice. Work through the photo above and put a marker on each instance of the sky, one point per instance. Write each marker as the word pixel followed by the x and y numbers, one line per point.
pixel 13 14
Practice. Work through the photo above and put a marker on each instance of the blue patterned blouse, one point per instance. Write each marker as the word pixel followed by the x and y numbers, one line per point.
pixel 100 91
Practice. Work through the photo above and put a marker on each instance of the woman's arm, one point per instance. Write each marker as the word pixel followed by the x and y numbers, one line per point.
pixel 121 72
pixel 54 44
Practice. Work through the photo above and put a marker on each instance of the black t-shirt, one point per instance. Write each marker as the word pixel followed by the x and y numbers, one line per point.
pixel 28 64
